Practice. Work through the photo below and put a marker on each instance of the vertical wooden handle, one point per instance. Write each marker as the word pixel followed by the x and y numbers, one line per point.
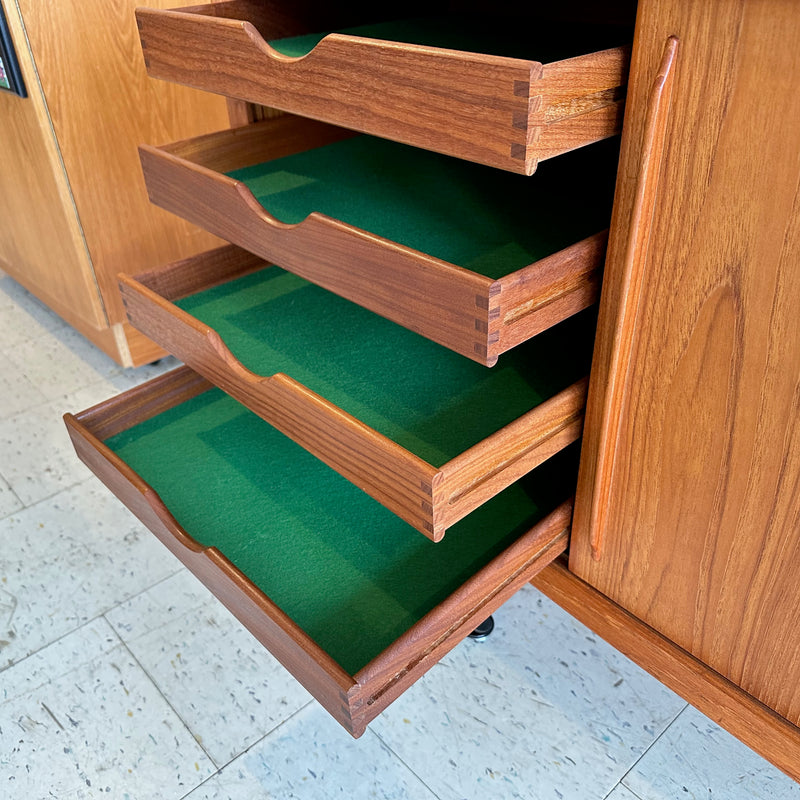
pixel 635 258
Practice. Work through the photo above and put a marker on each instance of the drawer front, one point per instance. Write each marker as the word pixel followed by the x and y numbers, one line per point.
pixel 382 644
pixel 507 112
pixel 473 259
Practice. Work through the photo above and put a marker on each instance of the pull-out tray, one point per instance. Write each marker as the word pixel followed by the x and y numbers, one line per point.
pixel 328 580
pixel 475 259
pixel 427 433
pixel 505 112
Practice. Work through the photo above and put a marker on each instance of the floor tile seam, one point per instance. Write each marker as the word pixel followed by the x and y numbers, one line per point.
pixel 626 788
pixel 22 505
pixel 60 490
pixel 11 418
pixel 246 750
pixel 651 746
pixel 169 620
pixel 24 340
pixel 385 744
pixel 51 677
pixel 100 616
pixel 169 705
pixel 269 733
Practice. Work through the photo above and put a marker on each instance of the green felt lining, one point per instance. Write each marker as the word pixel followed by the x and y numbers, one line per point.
pixel 426 398
pixel 541 42
pixel 346 570
pixel 486 220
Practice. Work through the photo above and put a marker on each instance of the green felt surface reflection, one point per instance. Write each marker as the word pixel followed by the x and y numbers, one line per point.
pixel 537 42
pixel 347 571
pixel 482 219
pixel 426 398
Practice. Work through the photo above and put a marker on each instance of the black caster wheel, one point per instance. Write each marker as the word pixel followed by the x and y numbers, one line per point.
pixel 483 630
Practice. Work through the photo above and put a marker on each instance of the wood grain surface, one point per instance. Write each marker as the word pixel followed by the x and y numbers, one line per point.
pixel 102 106
pixel 630 288
pixel 474 315
pixel 40 228
pixel 352 700
pixel 502 108
pixel 701 537
pixel 428 498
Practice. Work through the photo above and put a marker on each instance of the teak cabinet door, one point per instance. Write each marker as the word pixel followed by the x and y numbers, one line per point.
pixel 688 509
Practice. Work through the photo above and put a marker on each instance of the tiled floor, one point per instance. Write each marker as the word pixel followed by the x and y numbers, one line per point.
pixel 121 677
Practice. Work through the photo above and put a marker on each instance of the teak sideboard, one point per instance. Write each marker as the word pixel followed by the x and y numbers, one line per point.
pixel 685 528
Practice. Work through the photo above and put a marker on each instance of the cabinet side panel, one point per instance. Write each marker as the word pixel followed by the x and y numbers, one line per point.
pixel 702 535
pixel 103 106
pixel 41 243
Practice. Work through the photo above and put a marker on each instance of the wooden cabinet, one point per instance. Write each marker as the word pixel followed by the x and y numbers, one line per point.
pixel 686 533
pixel 73 204
pixel 688 509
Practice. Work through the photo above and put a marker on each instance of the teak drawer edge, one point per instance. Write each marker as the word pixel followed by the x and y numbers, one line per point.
pixel 353 700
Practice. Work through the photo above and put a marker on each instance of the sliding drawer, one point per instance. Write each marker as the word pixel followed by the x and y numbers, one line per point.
pixel 388 80
pixel 427 433
pixel 475 259
pixel 328 580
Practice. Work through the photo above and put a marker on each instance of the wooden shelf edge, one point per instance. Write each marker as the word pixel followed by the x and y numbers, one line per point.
pixel 311 665
pixel 389 473
pixel 404 89
pixel 760 728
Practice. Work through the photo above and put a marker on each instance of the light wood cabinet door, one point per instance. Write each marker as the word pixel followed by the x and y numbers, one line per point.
pixel 688 510
pixel 102 106
pixel 41 241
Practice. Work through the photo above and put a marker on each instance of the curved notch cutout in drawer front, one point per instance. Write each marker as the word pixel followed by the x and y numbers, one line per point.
pixel 475 259
pixel 504 112
pixel 427 433
pixel 328 580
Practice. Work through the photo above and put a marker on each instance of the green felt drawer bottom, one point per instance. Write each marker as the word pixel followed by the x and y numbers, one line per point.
pixel 433 402
pixel 348 572
pixel 485 220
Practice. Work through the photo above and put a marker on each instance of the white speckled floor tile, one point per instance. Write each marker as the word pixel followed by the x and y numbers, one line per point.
pixel 99 729
pixel 160 605
pixel 542 709
pixel 23 317
pixel 225 686
pixel 62 363
pixel 9 502
pixel 68 559
pixel 38 457
pixel 696 759
pixel 311 757
pixel 51 662
pixel 128 378
pixel 17 393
